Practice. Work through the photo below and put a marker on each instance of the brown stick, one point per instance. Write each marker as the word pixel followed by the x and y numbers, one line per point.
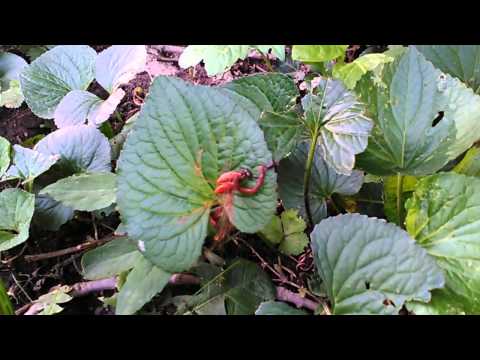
pixel 71 250
pixel 291 297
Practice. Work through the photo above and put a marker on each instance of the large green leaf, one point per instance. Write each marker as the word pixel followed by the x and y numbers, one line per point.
pixel 343 127
pixel 370 266
pixel 28 164
pixel 5 304
pixel 54 74
pixel 324 181
pixel 85 192
pixel 16 210
pixel 219 58
pixel 404 103
pixel 277 308
pixel 81 148
pixel 142 284
pixel 118 64
pixel 184 138
pixel 461 61
pixel 4 155
pixel 444 218
pixel 111 259
pixel 318 53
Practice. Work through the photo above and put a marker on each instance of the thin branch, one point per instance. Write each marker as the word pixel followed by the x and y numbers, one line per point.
pixel 71 250
pixel 286 295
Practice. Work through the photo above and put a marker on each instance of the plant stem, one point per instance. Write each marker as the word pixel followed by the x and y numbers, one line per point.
pixel 307 176
pixel 118 116
pixel 267 60
pixel 29 186
pixel 400 212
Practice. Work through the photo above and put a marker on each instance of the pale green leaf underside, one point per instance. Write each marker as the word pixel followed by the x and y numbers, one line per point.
pixel 81 148
pixel 277 308
pixel 13 97
pixel 84 192
pixel 111 259
pixel 78 106
pixel 16 210
pixel 28 164
pixel 4 155
pixel 410 96
pixel 54 74
pixel 143 283
pixel 184 138
pixel 118 64
pixel 50 214
pixel 444 217
pixel 460 61
pixel 324 182
pixel 318 53
pixel 344 128
pixel 366 261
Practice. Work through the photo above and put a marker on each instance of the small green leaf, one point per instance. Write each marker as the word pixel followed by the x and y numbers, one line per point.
pixel 277 308
pixel 11 66
pixel 273 232
pixel 111 259
pixel 318 53
pixel 444 218
pixel 143 283
pixel 13 97
pixel 85 192
pixel 470 164
pixel 16 210
pixel 5 304
pixel 28 164
pixel 352 72
pixel 370 266
pixel 4 155
pixel 54 74
pixel 278 50
pixel 390 189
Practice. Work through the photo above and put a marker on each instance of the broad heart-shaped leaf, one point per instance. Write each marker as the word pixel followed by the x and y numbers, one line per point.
pixel 54 74
pixel 352 72
pixel 81 148
pixel 16 210
pixel 344 128
pixel 444 217
pixel 460 61
pixel 50 214
pixel 4 155
pixel 470 164
pixel 370 266
pixel 405 106
pixel 143 283
pixel 111 259
pixel 11 66
pixel 28 164
pixel 317 53
pixel 324 181
pixel 277 308
pixel 78 106
pixel 84 192
pixel 118 64
pixel 183 139
pixel 219 58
